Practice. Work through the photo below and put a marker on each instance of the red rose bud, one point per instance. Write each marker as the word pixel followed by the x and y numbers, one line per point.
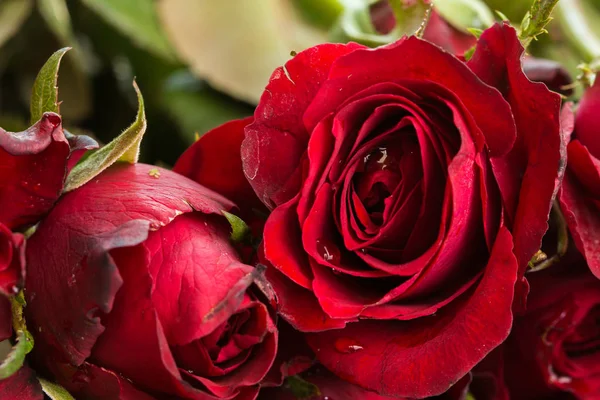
pixel 580 192
pixel 555 347
pixel 33 166
pixel 134 290
pixel 408 190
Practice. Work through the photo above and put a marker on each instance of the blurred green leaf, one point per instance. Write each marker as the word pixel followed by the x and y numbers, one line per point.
pixel 125 147
pixel 55 391
pixel 56 15
pixel 578 20
pixel 44 96
pixel 321 13
pixel 465 14
pixel 197 108
pixel 301 388
pixel 138 20
pixel 12 14
pixel 75 86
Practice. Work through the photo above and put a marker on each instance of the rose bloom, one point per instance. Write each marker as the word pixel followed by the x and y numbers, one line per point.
pixel 408 189
pixel 580 193
pixel 553 351
pixel 135 292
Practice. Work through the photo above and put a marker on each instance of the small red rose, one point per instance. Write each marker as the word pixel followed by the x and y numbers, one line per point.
pixel 135 292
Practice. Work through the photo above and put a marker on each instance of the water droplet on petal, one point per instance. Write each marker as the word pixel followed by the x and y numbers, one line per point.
pixel 347 345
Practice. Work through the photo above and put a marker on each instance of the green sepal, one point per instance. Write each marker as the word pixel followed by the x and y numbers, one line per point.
pixel 44 95
pixel 240 232
pixel 125 148
pixel 302 389
pixel 15 358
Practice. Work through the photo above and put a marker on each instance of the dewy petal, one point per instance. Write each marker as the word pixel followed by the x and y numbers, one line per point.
pixel 425 357
pixel 586 119
pixel 276 140
pixel 69 253
pixel 537 155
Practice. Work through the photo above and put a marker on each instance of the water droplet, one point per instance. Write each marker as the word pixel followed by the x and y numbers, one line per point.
pixel 72 280
pixel 37 187
pixel 347 345
pixel 328 251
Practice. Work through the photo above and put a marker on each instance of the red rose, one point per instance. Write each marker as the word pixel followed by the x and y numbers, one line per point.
pixel 408 192
pixel 12 271
pixel 580 193
pixel 33 167
pixel 134 290
pixel 555 347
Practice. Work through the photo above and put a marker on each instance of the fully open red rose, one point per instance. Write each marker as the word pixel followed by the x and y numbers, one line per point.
pixel 408 192
pixel 134 291
pixel 580 193
pixel 554 348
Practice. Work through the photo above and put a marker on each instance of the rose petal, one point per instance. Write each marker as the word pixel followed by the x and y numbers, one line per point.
pixel 420 358
pixel 536 155
pixel 22 385
pixel 276 140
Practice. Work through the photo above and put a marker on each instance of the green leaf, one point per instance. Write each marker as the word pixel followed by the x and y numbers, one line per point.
pixel 240 232
pixel 15 358
pixel 475 32
pixel 138 20
pixel 125 148
pixel 44 96
pixel 197 108
pixel 55 391
pixel 12 15
pixel 464 14
pixel 301 388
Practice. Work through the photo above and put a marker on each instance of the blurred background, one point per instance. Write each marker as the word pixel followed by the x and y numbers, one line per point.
pixel 200 63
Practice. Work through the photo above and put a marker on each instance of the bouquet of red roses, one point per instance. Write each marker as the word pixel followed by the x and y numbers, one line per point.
pixel 415 219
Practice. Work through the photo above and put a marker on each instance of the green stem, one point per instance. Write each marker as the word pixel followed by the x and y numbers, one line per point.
pixel 535 20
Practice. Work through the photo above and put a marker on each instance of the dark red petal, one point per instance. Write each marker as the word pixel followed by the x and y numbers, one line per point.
pixel 277 139
pixel 587 125
pixel 549 72
pixel 578 198
pixel 12 261
pixel 22 385
pixel 93 382
pixel 362 68
pixel 214 161
pixel 33 165
pixel 424 357
pixel 537 155
pixel 283 244
pixel 299 306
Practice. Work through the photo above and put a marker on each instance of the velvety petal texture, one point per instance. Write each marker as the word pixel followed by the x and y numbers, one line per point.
pixel 556 344
pixel 22 385
pixel 12 261
pixel 580 193
pixel 408 191
pixel 33 167
pixel 151 293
